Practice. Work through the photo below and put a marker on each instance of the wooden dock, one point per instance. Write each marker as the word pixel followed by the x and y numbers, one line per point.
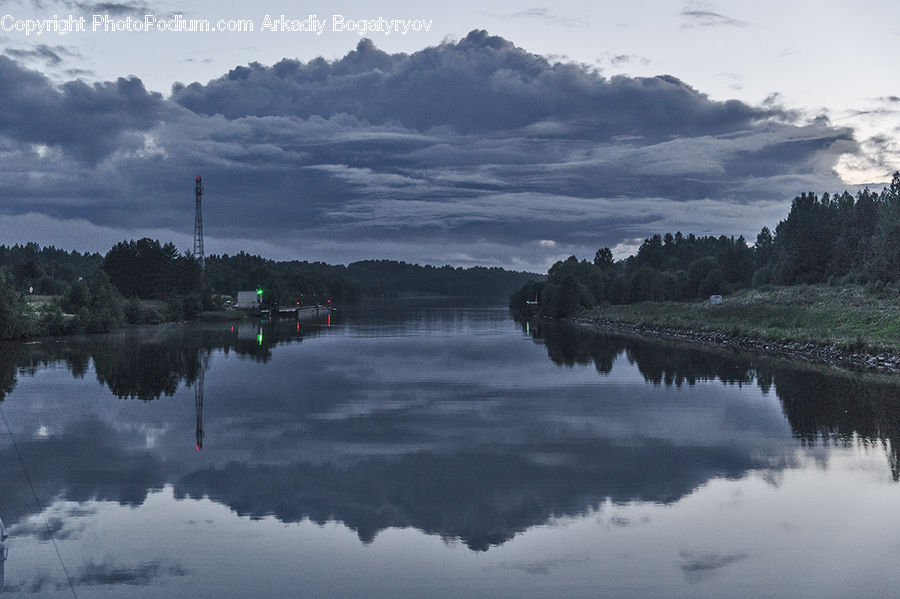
pixel 296 312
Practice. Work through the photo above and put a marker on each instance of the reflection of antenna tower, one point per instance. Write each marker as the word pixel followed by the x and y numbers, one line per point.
pixel 198 231
pixel 893 451
pixel 3 552
pixel 198 398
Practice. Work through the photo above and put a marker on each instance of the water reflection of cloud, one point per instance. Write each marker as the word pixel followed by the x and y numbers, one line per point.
pixel 699 565
pixel 544 566
pixel 55 527
pixel 108 572
pixel 620 521
pixel 87 460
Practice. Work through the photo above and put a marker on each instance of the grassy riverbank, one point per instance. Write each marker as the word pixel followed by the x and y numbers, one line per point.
pixel 848 317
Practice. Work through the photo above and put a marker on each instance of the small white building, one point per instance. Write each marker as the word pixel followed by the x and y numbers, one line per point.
pixel 715 300
pixel 247 300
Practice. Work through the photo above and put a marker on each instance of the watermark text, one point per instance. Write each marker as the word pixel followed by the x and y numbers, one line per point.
pixel 148 23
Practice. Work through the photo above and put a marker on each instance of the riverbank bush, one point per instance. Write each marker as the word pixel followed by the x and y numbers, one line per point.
pixel 97 305
pixel 139 311
pixel 14 321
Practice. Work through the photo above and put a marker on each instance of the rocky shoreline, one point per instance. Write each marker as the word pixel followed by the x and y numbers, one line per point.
pixel 809 352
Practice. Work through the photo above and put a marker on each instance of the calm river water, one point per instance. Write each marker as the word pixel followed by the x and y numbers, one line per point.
pixel 433 451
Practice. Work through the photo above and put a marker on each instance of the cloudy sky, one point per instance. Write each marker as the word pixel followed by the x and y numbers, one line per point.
pixel 464 133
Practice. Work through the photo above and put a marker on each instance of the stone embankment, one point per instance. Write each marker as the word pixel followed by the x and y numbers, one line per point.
pixel 810 352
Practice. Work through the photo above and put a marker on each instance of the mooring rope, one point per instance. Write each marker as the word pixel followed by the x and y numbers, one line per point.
pixel 38 502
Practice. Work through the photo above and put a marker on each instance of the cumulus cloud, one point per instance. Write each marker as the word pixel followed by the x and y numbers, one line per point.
pixel 480 84
pixel 467 147
pixel 87 121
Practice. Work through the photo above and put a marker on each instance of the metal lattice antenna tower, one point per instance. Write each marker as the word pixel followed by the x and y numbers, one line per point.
pixel 198 233
pixel 198 223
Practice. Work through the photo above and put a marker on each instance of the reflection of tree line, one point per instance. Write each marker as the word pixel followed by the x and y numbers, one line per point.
pixel 483 496
pixel 148 363
pixel 820 406
pixel 840 410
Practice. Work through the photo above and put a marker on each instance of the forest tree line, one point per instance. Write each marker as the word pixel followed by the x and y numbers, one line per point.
pixel 835 239
pixel 146 281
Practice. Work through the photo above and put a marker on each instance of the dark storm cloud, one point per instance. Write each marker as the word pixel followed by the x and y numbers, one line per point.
pixel 480 84
pixel 87 121
pixel 474 151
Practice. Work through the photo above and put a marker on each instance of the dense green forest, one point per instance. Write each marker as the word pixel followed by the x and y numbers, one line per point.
pixel 46 291
pixel 48 270
pixel 834 239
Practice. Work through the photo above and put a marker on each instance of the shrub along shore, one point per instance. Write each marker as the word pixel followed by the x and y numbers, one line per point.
pixel 843 326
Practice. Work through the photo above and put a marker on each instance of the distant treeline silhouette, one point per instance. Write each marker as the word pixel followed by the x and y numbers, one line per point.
pixel 838 239
pixel 146 281
pixel 286 282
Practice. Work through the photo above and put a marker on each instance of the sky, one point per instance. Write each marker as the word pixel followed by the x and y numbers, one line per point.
pixel 463 133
